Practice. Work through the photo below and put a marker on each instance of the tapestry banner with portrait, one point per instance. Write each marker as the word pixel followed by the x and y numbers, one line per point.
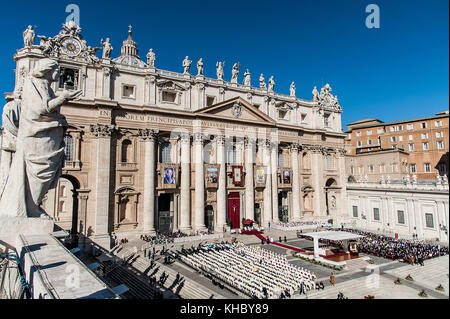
pixel 169 176
pixel 286 176
pixel 212 175
pixel 260 176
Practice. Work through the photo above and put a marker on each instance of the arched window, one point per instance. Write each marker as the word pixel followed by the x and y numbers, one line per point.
pixel 166 151
pixel 126 151
pixel 68 148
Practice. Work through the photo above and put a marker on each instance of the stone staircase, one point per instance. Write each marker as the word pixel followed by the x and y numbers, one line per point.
pixel 190 290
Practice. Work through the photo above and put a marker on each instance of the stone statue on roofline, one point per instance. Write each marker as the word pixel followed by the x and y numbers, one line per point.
pixel 262 82
pixel 107 49
pixel 292 89
pixel 247 80
pixel 39 156
pixel 315 94
pixel 219 66
pixel 271 84
pixel 186 65
pixel 151 57
pixel 28 37
pixel 235 73
pixel 200 67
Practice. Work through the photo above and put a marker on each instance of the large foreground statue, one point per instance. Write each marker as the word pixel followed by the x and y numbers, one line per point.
pixel 39 155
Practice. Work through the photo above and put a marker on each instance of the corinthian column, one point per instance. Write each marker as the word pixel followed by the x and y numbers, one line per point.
pixel 102 181
pixel 249 188
pixel 149 137
pixel 268 189
pixel 199 183
pixel 295 182
pixel 222 189
pixel 274 177
pixel 185 191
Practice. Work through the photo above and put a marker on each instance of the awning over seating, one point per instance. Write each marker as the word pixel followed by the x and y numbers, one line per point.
pixel 333 235
pixel 330 235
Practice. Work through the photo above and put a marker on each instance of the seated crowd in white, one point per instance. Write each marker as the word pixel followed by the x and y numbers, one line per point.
pixel 250 269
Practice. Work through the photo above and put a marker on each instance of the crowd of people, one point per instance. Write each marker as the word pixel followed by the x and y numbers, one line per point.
pixel 414 252
pixel 258 273
pixel 163 238
pixel 302 223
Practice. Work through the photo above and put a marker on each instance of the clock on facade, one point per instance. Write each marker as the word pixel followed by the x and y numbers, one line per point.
pixel 71 46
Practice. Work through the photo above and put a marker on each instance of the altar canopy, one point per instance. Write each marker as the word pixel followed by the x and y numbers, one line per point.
pixel 331 235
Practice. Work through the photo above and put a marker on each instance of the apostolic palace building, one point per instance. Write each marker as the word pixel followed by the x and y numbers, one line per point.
pixel 154 150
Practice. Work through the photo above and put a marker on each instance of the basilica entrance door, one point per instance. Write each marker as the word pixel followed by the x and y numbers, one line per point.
pixel 234 210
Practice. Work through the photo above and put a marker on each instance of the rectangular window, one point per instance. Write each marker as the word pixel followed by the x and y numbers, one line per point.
pixel 411 147
pixel 440 145
pixel 438 123
pixel 424 136
pixel 369 142
pixel 400 138
pixel 429 220
pixel 392 128
pixel 427 168
pixel 376 213
pixel 128 91
pixel 410 137
pixel 442 168
pixel 369 132
pixel 423 125
pixel 359 143
pixel 352 170
pixel 169 96
pixel 371 168
pixel 425 146
pixel 413 168
pixel 393 139
pixel 210 100
pixel 400 128
pixel 326 120
pixel 401 217
pixel 439 134
pixel 380 131
pixel 410 127
pixel 358 134
pixel 355 211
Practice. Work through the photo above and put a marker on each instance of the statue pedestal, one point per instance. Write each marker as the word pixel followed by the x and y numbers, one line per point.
pixel 12 227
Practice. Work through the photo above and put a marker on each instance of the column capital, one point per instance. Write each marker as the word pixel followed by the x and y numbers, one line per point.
pixel 147 134
pixel 294 147
pixel 101 130
pixel 198 137
pixel 185 137
pixel 249 142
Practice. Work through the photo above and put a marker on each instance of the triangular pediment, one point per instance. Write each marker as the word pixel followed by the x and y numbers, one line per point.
pixel 237 109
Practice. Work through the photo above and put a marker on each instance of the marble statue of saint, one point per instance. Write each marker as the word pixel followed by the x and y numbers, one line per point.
pixel 39 157
pixel 10 120
pixel 186 65
pixel 107 49
pixel 438 179
pixel 292 89
pixel 29 36
pixel 388 179
pixel 315 94
pixel 247 79
pixel 200 67
pixel 219 67
pixel 151 57
pixel 235 73
pixel 262 82
pixel 271 84
pixel 407 179
pixel 414 179
pixel 382 179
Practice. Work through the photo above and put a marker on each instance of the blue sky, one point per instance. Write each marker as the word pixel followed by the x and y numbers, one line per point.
pixel 398 71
